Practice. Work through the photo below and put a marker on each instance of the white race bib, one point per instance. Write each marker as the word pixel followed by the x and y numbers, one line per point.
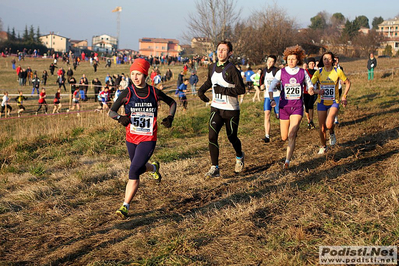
pixel 220 99
pixel 329 92
pixel 142 123
pixel 292 91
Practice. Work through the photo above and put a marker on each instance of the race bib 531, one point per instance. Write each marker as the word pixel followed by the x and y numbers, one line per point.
pixel 142 123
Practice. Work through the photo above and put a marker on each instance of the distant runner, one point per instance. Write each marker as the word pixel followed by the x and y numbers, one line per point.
pixel 20 102
pixel 308 99
pixel 265 80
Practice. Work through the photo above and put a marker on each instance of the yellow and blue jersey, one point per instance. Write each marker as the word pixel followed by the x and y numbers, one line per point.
pixel 329 82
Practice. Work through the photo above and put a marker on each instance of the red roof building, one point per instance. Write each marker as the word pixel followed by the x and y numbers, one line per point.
pixel 159 47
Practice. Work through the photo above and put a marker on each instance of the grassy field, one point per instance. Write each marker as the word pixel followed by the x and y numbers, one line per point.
pixel 62 177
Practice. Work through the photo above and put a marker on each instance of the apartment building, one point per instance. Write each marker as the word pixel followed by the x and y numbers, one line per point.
pixel 390 30
pixel 56 42
pixel 80 44
pixel 104 43
pixel 159 47
pixel 201 45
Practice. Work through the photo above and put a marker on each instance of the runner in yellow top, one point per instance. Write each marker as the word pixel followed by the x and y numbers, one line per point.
pixel 328 96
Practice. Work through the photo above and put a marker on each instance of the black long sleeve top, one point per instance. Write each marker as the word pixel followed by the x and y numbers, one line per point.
pixel 233 76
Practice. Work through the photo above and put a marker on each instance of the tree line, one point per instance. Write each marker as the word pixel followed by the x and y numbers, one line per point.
pixel 270 30
pixel 29 40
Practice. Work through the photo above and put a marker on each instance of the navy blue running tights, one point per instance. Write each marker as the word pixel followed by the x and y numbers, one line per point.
pixel 139 155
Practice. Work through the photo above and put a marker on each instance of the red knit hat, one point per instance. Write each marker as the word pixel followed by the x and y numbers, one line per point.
pixel 140 65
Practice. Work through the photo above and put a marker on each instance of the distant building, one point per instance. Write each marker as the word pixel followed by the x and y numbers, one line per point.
pixel 104 43
pixel 56 42
pixel 201 45
pixel 127 51
pixel 187 50
pixel 201 41
pixel 364 30
pixel 80 44
pixel 159 47
pixel 3 36
pixel 390 30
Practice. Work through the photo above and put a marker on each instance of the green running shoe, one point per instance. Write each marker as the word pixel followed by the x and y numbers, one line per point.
pixel 122 212
pixel 156 175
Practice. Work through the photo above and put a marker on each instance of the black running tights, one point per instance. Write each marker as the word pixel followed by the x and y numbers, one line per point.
pixel 217 119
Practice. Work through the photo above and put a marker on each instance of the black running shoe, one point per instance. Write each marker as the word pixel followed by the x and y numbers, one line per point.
pixel 266 139
pixel 312 126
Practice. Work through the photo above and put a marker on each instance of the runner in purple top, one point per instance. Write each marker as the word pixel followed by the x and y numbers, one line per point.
pixel 292 80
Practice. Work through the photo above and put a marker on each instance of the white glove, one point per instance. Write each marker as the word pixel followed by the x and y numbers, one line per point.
pixel 372 65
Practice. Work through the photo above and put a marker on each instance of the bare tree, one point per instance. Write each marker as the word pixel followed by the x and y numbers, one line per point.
pixel 264 33
pixel 243 34
pixel 367 43
pixel 213 19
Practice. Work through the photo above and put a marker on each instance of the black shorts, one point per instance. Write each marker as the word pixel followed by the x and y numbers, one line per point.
pixel 249 83
pixel 309 101
pixel 3 108
pixel 183 101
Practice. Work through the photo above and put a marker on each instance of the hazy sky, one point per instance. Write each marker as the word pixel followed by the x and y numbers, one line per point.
pixel 83 19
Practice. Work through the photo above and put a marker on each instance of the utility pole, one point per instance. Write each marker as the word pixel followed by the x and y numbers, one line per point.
pixel 118 10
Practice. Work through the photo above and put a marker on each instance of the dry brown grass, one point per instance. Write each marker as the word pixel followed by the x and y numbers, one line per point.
pixel 59 189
